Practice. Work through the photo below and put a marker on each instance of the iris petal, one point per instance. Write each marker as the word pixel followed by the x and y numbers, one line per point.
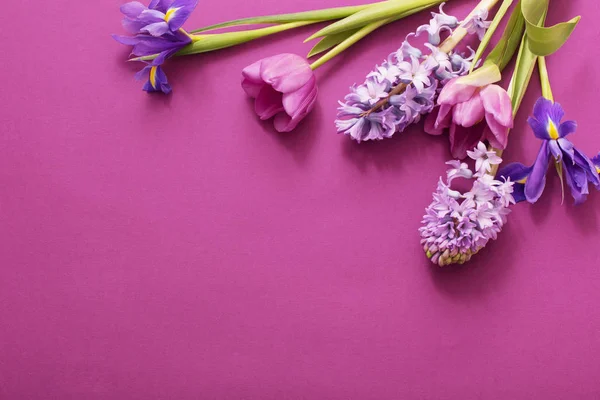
pixel 539 129
pixel 534 187
pixel 515 171
pixel 567 128
pixel 542 109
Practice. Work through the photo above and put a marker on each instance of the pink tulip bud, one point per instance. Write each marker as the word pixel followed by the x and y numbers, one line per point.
pixel 283 86
pixel 474 110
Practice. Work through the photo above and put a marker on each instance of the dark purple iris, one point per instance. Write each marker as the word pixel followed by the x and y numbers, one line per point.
pixel 579 170
pixel 157 32
pixel 159 18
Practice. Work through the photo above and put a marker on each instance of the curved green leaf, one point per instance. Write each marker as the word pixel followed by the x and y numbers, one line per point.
pixel 329 41
pixel 542 40
pixel 332 40
pixel 373 13
pixel 317 15
pixel 349 41
pixel 506 47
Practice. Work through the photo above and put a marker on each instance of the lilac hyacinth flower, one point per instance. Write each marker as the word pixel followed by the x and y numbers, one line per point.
pixel 439 23
pixel 415 72
pixel 372 126
pixel 159 18
pixel 371 112
pixel 370 92
pixel 414 103
pixel 457 225
pixel 477 24
pixel 484 159
pixel 579 169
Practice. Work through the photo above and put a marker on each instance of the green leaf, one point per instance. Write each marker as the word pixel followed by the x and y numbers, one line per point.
pixel 542 40
pixel 373 13
pixel 506 47
pixel 544 80
pixel 317 15
pixel 206 43
pixel 522 74
pixel 488 73
pixel 349 41
pixel 329 41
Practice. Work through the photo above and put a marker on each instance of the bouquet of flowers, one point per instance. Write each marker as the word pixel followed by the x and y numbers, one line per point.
pixel 434 75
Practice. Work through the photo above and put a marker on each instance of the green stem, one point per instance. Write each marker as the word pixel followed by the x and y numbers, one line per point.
pixel 547 93
pixel 521 77
pixel 491 30
pixel 544 79
pixel 361 33
pixel 327 14
pixel 506 47
pixel 210 42
pixel 373 13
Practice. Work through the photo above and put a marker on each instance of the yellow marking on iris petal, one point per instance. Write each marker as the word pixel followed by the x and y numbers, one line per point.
pixel 170 13
pixel 153 77
pixel 522 180
pixel 598 170
pixel 552 131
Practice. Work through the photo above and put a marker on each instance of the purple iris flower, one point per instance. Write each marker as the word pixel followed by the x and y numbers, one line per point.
pixel 164 47
pixel 518 174
pixel 159 18
pixel 579 169
pixel 157 32
pixel 147 45
pixel 596 161
pixel 157 80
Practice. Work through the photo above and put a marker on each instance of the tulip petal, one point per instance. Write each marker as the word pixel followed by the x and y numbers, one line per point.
pixel 534 187
pixel 497 103
pixel 468 113
pixel 286 72
pixel 463 139
pixel 251 82
pixel 268 103
pixel 454 93
pixel 295 102
pixel 495 133
pixel 297 105
pixel 431 126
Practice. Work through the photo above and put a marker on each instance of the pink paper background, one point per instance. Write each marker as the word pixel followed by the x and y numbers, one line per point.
pixel 177 248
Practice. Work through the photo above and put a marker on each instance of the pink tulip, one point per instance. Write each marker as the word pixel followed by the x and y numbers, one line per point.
pixel 284 86
pixel 463 106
